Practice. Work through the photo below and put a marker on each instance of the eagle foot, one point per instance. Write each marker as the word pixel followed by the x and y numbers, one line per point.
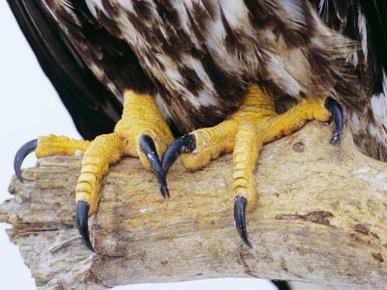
pixel 244 133
pixel 141 132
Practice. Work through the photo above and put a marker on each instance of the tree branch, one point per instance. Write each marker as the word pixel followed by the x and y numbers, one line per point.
pixel 320 218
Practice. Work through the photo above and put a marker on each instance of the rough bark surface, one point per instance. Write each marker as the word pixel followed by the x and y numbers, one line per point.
pixel 321 218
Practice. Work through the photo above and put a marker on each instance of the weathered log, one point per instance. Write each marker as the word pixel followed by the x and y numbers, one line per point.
pixel 321 218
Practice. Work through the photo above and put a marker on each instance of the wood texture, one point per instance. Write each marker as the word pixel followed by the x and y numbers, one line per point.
pixel 321 218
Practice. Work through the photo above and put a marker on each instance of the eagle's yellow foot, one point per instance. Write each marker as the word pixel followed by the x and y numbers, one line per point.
pixel 244 132
pixel 141 132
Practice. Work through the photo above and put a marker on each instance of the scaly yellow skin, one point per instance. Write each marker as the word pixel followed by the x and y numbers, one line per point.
pixel 59 145
pixel 245 131
pixel 140 116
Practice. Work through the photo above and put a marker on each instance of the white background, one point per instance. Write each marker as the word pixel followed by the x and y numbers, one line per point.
pixel 30 107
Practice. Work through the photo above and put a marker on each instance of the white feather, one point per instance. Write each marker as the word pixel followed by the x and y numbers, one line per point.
pixel 363 33
pixel 206 100
pixel 127 4
pixel 379 104
pixel 92 4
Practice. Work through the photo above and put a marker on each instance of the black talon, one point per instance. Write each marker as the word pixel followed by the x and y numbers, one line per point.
pixel 21 154
pixel 82 225
pixel 149 148
pixel 240 219
pixel 281 285
pixel 337 113
pixel 183 144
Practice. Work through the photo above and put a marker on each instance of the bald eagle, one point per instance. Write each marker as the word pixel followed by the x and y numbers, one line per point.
pixel 205 71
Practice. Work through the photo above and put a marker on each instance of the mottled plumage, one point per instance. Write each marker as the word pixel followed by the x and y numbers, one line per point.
pixel 366 22
pixel 199 56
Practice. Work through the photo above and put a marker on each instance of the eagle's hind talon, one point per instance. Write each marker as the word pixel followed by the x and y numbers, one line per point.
pixel 21 154
pixel 338 116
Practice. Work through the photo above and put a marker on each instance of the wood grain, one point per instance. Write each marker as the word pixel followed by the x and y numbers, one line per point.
pixel 320 218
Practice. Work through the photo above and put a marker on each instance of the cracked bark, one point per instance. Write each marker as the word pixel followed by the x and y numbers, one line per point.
pixel 320 218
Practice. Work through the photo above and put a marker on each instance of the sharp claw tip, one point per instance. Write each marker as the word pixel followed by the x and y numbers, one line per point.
pixel 245 239
pixel 88 245
pixel 164 190
pixel 248 243
pixel 82 225
pixel 19 177
pixel 335 139
pixel 240 220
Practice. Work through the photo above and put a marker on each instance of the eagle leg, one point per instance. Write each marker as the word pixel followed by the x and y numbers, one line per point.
pixel 244 132
pixel 141 132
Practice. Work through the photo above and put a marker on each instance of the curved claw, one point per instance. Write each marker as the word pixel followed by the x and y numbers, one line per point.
pixel 240 218
pixel 337 113
pixel 149 148
pixel 21 154
pixel 82 225
pixel 183 144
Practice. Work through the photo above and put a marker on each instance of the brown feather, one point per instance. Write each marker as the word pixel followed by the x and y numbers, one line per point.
pixel 199 56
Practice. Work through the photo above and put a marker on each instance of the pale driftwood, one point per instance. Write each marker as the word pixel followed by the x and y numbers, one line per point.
pixel 321 218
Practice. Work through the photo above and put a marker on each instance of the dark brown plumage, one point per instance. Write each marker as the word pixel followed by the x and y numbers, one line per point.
pixel 199 56
pixel 366 22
